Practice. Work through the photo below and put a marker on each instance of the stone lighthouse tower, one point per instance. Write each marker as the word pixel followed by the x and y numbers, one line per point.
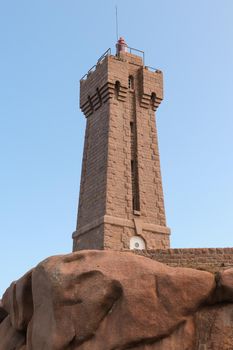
pixel 121 203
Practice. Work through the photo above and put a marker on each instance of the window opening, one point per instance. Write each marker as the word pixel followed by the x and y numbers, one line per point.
pixel 117 88
pixel 99 96
pixel 90 102
pixel 153 99
pixel 134 169
pixel 131 82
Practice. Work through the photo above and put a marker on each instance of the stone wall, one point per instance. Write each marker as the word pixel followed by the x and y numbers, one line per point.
pixel 209 259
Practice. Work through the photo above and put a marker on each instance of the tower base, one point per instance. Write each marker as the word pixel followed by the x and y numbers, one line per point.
pixel 114 233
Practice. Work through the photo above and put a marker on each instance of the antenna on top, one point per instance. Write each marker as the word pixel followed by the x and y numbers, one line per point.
pixel 117 36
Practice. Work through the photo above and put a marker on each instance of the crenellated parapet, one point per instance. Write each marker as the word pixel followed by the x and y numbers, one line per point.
pixel 101 84
pixel 152 88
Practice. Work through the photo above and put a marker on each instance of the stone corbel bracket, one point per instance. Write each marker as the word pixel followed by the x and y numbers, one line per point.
pixel 152 88
pixel 110 78
pixel 102 84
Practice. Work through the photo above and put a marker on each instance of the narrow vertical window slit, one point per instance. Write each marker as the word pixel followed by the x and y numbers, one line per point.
pixel 134 169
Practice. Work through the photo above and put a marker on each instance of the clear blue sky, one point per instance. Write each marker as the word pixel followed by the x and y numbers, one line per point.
pixel 45 47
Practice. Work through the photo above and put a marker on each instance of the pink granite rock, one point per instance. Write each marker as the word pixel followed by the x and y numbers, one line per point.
pixel 3 313
pixel 214 327
pixel 106 300
pixel 225 285
pixel 82 297
pixel 10 338
pixel 17 301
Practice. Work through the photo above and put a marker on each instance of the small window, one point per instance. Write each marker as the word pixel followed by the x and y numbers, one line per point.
pixel 131 127
pixel 99 96
pixel 132 166
pixel 153 98
pixel 117 88
pixel 131 82
pixel 90 102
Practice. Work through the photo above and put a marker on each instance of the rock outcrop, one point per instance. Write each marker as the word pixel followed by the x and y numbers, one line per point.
pixel 106 300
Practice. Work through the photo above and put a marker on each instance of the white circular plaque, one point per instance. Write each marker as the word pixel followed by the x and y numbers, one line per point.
pixel 137 242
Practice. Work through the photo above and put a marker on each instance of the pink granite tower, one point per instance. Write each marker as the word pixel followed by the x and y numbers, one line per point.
pixel 121 203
